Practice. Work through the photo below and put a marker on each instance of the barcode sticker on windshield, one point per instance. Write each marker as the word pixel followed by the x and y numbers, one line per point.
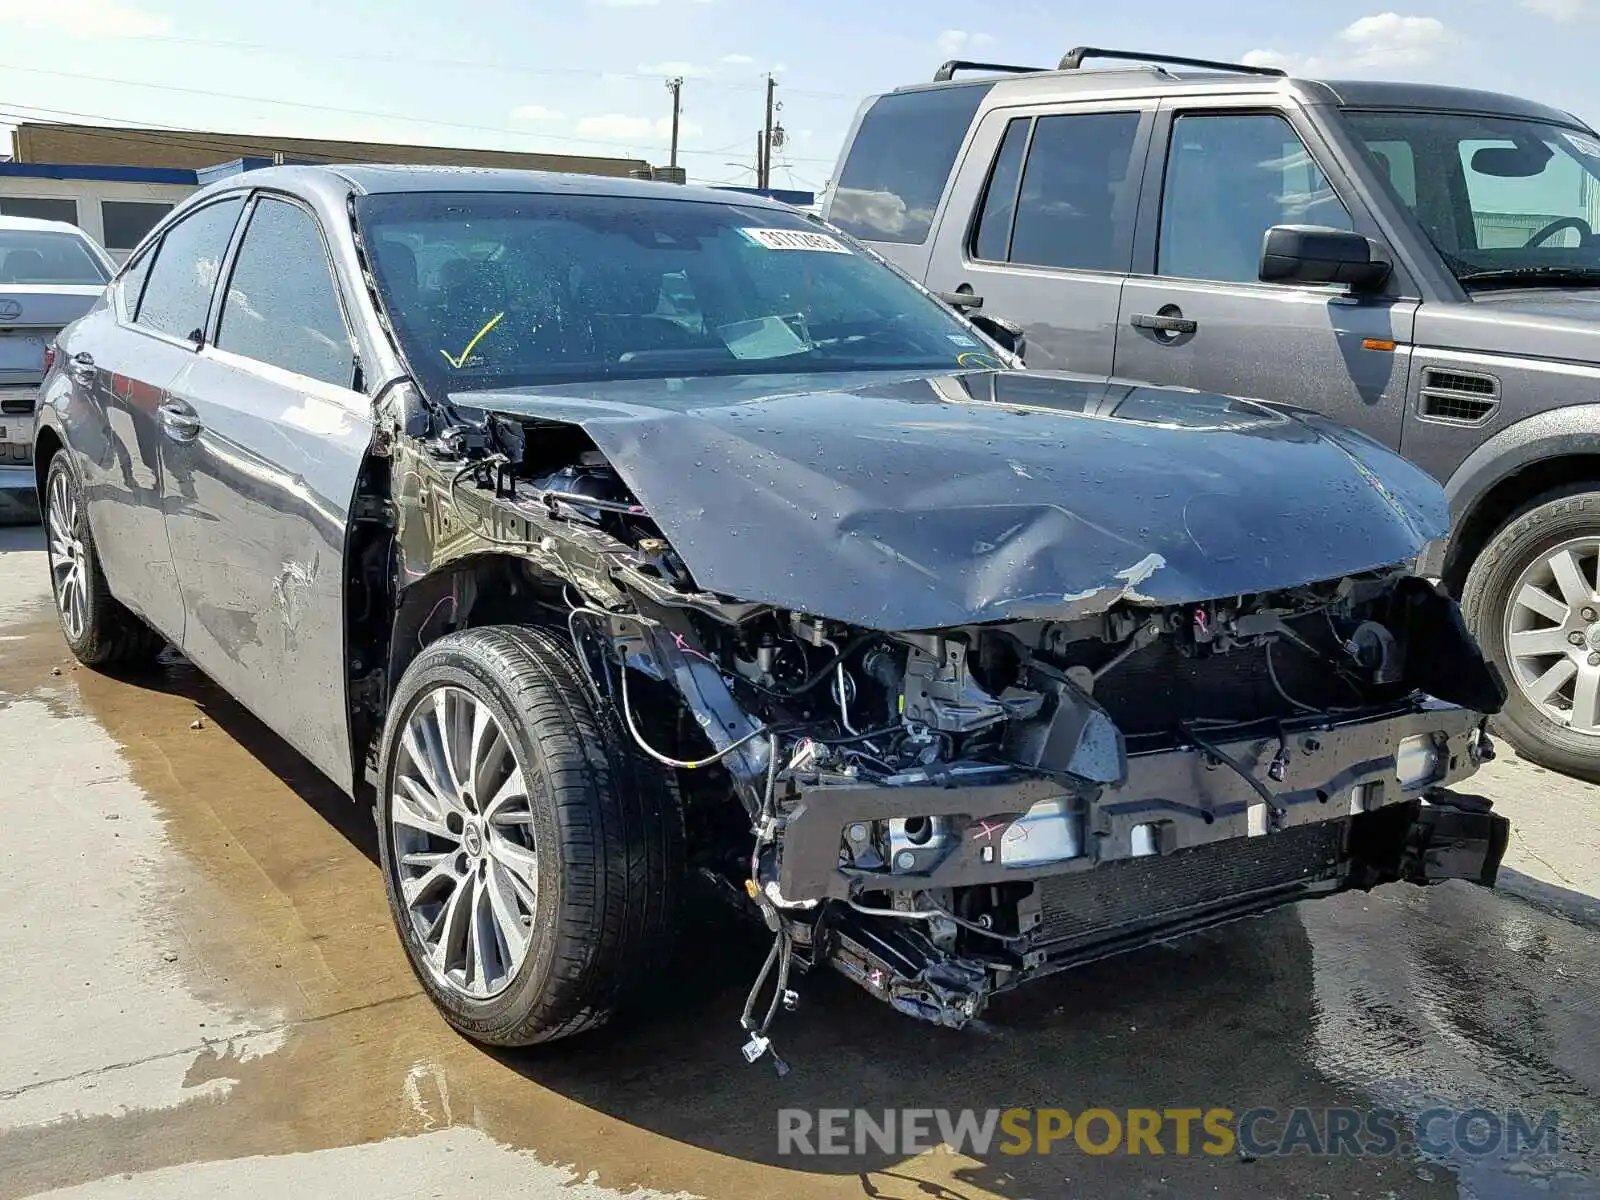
pixel 795 239
pixel 1583 145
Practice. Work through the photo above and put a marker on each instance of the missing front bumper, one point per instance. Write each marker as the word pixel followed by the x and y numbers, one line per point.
pixel 1082 918
pixel 1172 801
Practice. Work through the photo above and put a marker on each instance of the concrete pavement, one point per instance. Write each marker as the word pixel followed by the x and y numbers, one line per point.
pixel 205 997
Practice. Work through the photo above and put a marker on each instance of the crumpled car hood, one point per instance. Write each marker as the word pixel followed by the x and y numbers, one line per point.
pixel 919 503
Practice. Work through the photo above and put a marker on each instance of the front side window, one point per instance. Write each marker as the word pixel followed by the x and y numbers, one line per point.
pixel 1505 201
pixel 177 292
pixel 497 289
pixel 30 256
pixel 1230 178
pixel 282 305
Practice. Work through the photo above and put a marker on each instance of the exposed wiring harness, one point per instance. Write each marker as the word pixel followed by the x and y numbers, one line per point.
pixel 932 913
pixel 625 703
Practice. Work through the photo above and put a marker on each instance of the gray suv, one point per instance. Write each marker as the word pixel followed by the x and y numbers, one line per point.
pixel 1418 262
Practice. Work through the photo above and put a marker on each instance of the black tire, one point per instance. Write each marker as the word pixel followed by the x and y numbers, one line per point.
pixel 111 637
pixel 1486 600
pixel 607 835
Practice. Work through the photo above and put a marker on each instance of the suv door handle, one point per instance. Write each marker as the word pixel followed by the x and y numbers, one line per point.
pixel 960 299
pixel 181 423
pixel 1163 323
pixel 82 367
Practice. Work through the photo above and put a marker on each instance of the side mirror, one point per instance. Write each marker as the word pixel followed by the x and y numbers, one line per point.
pixel 1008 333
pixel 1315 254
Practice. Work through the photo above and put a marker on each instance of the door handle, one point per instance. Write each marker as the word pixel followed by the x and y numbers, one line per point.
pixel 1163 323
pixel 960 299
pixel 83 367
pixel 180 421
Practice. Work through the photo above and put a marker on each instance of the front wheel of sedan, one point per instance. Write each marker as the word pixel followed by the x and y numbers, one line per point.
pixel 1532 598
pixel 532 860
pixel 100 632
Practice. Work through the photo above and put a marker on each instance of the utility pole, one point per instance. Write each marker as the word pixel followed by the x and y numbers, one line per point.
pixel 761 158
pixel 766 136
pixel 675 86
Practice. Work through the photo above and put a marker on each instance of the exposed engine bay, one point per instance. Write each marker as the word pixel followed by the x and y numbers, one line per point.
pixel 944 814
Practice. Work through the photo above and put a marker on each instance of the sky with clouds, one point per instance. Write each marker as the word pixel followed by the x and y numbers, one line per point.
pixel 588 76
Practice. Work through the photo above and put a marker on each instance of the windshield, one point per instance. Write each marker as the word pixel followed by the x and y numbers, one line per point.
pixel 1505 201
pixel 34 256
pixel 505 289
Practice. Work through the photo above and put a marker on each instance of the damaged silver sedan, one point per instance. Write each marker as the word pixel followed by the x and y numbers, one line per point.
pixel 619 540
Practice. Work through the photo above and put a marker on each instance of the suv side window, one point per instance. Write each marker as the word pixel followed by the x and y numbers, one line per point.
pixel 177 294
pixel 1070 209
pixel 1230 177
pixel 282 305
pixel 900 161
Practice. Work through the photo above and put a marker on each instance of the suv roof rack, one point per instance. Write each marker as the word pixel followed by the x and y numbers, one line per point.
pixel 1073 59
pixel 947 71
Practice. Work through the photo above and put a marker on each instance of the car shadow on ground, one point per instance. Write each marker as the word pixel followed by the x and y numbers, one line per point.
pixel 176 676
pixel 1221 1020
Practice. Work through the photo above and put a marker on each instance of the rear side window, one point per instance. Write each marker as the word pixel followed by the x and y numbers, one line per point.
pixel 992 238
pixel 177 293
pixel 900 160
pixel 282 305
pixel 1073 209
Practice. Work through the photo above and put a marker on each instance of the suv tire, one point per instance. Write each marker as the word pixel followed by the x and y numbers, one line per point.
pixel 99 630
pixel 533 860
pixel 1561 527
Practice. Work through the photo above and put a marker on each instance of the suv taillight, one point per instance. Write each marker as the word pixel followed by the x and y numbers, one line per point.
pixel 49 357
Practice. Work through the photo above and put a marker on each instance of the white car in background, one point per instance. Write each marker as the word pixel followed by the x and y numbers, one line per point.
pixel 51 273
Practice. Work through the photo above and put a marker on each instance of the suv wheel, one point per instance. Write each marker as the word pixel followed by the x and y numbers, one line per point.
pixel 532 860
pixel 100 632
pixel 1533 600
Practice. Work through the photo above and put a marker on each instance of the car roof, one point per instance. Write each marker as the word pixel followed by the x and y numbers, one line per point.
pixel 385 179
pixel 1027 87
pixel 39 225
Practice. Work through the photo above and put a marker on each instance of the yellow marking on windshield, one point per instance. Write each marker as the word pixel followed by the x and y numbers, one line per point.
pixel 457 363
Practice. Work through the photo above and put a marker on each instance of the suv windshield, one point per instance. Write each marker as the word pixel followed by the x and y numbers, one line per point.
pixel 35 256
pixel 1507 202
pixel 510 289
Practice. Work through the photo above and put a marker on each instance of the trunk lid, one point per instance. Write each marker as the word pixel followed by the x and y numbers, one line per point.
pixel 30 317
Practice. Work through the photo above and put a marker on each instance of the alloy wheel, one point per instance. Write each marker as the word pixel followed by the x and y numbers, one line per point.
pixel 463 844
pixel 68 558
pixel 1552 634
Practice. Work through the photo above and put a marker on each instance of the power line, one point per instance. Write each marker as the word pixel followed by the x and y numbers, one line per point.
pixel 469 63
pixel 360 112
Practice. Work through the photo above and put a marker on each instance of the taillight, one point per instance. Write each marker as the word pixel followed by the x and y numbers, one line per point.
pixel 49 357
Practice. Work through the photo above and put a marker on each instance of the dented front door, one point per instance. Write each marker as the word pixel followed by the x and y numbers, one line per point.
pixel 258 486
pixel 263 435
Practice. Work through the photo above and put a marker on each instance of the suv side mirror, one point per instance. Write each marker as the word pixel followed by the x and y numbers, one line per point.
pixel 1316 254
pixel 1008 333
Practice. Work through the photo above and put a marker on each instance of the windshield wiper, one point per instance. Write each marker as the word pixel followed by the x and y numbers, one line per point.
pixel 1512 276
